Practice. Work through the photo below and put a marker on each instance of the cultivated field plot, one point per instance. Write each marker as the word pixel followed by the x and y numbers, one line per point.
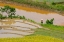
pixel 16 28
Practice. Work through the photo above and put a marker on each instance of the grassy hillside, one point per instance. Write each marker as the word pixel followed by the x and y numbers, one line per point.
pixel 50 0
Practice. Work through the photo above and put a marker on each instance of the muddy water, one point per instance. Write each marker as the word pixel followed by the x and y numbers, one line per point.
pixel 36 14
pixel 58 19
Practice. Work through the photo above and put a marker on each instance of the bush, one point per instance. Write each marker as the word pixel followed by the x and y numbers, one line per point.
pixel 53 3
pixel 20 17
pixel 50 21
pixel 15 16
pixel 23 17
pixel 2 17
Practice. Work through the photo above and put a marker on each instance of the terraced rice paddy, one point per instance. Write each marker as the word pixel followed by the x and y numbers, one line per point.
pixel 16 28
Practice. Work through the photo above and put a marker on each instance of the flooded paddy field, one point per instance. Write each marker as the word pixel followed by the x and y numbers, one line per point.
pixel 16 28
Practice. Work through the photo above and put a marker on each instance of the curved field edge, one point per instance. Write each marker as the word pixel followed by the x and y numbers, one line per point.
pixel 56 8
pixel 36 38
pixel 47 32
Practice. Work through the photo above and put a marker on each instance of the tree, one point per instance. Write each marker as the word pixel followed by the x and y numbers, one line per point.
pixel 50 21
pixel 9 10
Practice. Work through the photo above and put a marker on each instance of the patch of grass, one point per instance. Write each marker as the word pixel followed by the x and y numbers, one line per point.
pixel 37 38
pixel 54 27
pixel 31 21
pixel 52 33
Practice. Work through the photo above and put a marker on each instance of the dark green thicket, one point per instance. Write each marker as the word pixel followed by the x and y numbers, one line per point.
pixel 50 21
pixel 53 3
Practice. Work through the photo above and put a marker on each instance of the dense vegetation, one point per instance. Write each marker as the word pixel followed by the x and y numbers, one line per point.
pixel 52 5
pixel 10 12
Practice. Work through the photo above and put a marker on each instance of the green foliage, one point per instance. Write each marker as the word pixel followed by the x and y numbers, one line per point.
pixel 51 30
pixel 4 17
pixel 54 27
pixel 20 17
pixel 31 20
pixel 52 4
pixel 58 7
pixel 1 16
pixel 32 3
pixel 50 21
pixel 15 16
pixel 23 17
pixel 9 10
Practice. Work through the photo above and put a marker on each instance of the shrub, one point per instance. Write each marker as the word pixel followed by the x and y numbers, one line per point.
pixel 0 16
pixel 15 16
pixel 47 21
pixel 20 17
pixel 4 17
pixel 53 3
pixel 9 10
pixel 50 21
pixel 23 17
